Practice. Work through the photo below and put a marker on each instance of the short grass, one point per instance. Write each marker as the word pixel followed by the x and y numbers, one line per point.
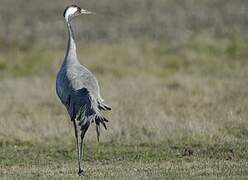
pixel 178 112
pixel 109 161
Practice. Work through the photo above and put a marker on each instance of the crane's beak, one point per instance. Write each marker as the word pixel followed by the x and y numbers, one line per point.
pixel 83 11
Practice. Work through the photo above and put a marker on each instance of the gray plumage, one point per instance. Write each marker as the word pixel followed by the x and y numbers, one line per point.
pixel 78 89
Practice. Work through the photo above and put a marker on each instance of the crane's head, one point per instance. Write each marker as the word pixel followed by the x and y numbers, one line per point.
pixel 73 11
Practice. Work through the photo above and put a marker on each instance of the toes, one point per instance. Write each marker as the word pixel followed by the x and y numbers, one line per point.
pixel 81 172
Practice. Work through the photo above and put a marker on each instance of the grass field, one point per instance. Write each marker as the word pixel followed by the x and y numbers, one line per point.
pixel 177 112
pixel 174 72
pixel 108 161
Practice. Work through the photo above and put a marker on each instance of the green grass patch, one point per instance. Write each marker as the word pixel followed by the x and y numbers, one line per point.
pixel 14 154
pixel 204 57
pixel 124 161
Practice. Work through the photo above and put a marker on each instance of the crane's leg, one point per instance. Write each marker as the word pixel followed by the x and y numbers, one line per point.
pixel 78 143
pixel 83 131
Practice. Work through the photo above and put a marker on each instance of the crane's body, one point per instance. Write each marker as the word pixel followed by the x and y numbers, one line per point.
pixel 78 89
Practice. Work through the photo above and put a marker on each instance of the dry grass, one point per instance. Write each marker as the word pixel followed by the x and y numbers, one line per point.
pixel 175 73
pixel 178 112
pixel 183 111
pixel 155 111
pixel 156 95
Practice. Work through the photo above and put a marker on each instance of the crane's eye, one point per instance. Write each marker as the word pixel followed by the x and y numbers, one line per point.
pixel 79 10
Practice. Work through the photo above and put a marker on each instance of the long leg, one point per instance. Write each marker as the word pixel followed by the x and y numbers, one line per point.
pixel 84 130
pixel 79 147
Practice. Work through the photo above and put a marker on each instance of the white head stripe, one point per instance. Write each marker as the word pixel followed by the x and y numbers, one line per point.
pixel 70 11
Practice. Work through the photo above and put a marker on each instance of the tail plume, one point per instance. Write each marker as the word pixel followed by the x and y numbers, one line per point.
pixel 104 107
pixel 100 120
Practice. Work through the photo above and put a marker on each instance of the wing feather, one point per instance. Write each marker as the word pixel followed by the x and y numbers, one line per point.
pixel 82 108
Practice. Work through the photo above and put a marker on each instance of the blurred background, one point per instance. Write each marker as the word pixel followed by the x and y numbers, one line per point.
pixel 173 70
pixel 29 23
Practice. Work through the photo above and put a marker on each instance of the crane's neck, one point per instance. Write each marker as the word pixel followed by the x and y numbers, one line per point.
pixel 71 53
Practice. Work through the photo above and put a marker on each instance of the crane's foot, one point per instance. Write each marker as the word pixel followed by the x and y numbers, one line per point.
pixel 81 172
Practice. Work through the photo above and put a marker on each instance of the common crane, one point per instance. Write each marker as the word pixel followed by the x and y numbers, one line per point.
pixel 78 89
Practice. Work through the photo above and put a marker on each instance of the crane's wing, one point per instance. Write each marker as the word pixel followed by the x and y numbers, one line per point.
pixel 81 105
pixel 84 108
